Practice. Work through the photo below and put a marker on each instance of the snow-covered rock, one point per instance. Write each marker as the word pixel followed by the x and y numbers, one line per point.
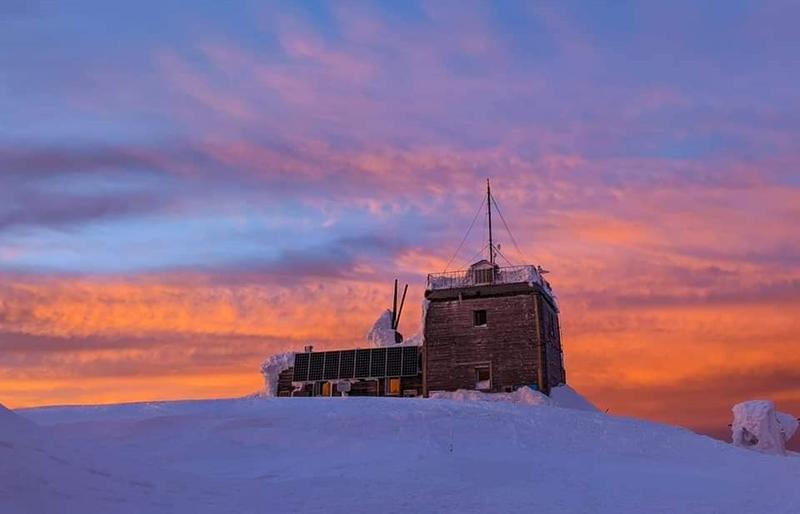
pixel 758 426
pixel 272 367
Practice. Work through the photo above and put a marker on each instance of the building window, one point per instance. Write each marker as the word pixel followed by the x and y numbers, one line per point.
pixel 393 387
pixel 483 276
pixel 483 378
pixel 479 318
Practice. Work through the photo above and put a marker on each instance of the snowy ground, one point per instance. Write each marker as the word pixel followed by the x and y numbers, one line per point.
pixel 347 455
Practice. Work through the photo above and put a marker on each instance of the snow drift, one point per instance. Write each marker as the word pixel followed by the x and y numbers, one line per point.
pixel 561 396
pixel 758 426
pixel 523 395
pixel 384 455
pixel 13 425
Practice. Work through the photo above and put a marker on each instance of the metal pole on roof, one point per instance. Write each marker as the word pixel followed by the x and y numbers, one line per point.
pixel 394 304
pixel 489 206
pixel 400 310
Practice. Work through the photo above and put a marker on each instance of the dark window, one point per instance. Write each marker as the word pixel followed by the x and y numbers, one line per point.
pixel 483 276
pixel 483 378
pixel 479 318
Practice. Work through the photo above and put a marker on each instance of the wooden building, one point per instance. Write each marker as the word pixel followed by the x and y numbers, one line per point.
pixel 487 328
pixel 492 329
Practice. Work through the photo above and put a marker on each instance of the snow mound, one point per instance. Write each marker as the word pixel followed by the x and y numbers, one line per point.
pixel 272 368
pixel 386 455
pixel 12 424
pixel 568 398
pixel 561 396
pixel 758 426
pixel 382 334
pixel 523 395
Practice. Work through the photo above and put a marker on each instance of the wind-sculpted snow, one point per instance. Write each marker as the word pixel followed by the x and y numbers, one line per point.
pixel 346 455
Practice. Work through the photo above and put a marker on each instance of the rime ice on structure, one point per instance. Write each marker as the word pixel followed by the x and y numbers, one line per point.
pixel 382 334
pixel 758 426
pixel 272 368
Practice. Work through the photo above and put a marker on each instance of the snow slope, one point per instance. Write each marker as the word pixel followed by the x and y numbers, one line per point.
pixel 345 455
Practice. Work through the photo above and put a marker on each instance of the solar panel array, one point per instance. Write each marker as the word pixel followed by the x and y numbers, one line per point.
pixel 400 361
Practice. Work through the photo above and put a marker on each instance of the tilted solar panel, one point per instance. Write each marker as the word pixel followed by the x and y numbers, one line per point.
pixel 331 365
pixel 315 370
pixel 347 364
pixel 300 367
pixel 394 360
pixel 378 366
pixel 362 363
pixel 367 363
pixel 410 361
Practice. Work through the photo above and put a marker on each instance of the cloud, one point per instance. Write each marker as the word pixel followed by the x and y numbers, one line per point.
pixel 54 211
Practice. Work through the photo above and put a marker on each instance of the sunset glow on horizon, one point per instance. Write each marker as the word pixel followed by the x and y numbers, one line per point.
pixel 185 193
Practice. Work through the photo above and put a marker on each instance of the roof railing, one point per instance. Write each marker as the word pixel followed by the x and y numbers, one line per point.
pixel 478 277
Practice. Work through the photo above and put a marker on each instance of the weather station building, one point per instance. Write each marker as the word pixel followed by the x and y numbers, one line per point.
pixel 487 328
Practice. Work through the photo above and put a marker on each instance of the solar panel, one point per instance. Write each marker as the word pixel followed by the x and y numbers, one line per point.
pixel 331 365
pixel 368 363
pixel 347 364
pixel 394 359
pixel 362 363
pixel 378 366
pixel 410 361
pixel 300 367
pixel 316 365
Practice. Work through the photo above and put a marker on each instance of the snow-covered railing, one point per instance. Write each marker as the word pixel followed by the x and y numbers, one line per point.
pixel 477 277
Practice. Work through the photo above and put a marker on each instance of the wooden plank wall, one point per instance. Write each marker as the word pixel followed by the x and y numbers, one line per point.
pixel 454 346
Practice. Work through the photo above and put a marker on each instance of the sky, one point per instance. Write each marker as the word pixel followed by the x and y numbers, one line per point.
pixel 185 190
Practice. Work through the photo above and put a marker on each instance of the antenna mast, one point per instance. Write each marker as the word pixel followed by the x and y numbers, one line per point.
pixel 489 206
